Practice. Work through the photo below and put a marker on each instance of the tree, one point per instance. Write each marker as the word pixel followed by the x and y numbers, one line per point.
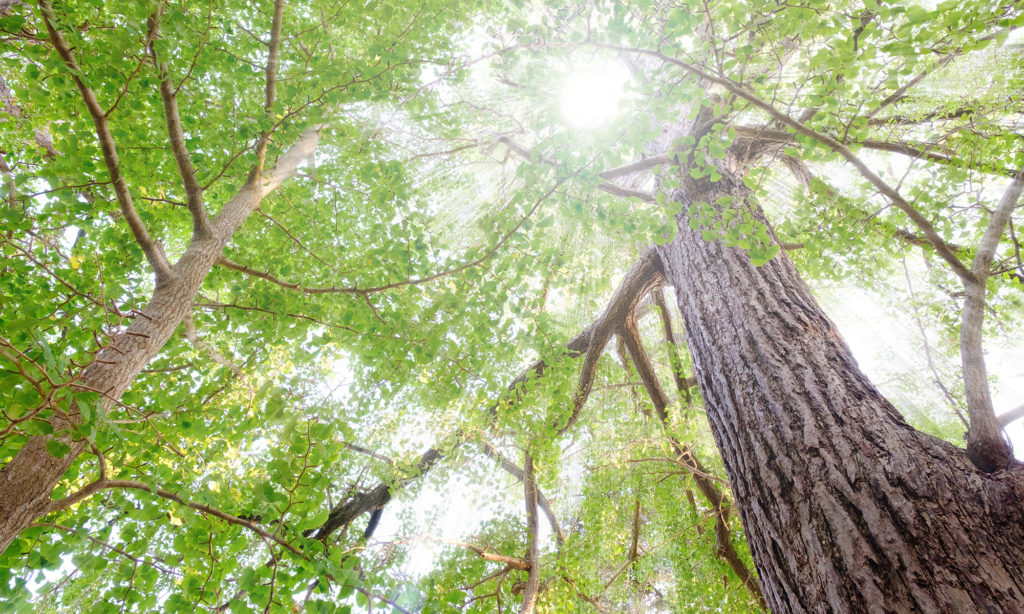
pixel 290 160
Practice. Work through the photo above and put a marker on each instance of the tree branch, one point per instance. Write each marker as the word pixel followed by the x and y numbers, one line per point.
pixel 985 444
pixel 724 546
pixel 532 547
pixel 270 79
pixel 919 220
pixel 519 474
pixel 241 268
pixel 99 485
pixel 1005 419
pixel 176 138
pixel 153 251
pixel 683 384
pixel 609 188
pixel 95 540
pixel 645 274
pixel 485 554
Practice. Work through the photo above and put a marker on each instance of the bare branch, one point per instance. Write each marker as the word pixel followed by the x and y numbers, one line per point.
pixel 486 554
pixel 152 249
pixel 273 58
pixel 1008 417
pixel 634 167
pixel 270 78
pixel 683 384
pixel 638 282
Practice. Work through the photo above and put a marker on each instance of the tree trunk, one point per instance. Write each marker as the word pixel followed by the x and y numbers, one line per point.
pixel 846 507
pixel 28 479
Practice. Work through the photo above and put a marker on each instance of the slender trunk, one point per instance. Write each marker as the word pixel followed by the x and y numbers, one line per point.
pixel 845 506
pixel 28 479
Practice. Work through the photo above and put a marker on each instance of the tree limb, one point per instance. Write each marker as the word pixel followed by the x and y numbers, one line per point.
pixel 532 548
pixel 270 78
pixel 1010 416
pixel 985 445
pixel 520 475
pixel 486 554
pixel 176 138
pixel 919 220
pixel 724 545
pixel 645 274
pixel 609 188
pixel 912 150
pixel 683 384
pixel 99 485
pixel 153 251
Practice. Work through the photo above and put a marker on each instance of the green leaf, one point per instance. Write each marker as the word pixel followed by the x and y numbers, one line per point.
pixel 57 449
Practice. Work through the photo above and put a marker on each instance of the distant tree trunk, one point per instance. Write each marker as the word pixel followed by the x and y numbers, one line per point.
pixel 846 507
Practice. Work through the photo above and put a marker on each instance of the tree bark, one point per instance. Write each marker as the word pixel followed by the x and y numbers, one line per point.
pixel 846 507
pixel 28 479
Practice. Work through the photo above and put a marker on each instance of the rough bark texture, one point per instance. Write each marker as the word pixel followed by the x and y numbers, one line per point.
pixel 28 479
pixel 846 507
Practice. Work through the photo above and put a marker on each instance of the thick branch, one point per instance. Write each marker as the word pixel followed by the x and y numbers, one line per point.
pixel 634 544
pixel 532 548
pixel 153 251
pixel 270 79
pixel 492 556
pixel 1014 414
pixel 646 273
pixel 985 444
pixel 273 58
pixel 645 276
pixel 634 167
pixel 919 220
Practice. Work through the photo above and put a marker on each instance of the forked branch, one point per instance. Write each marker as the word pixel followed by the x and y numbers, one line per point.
pixel 153 251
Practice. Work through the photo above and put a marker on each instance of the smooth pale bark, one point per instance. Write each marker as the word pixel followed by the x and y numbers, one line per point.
pixel 845 506
pixel 28 479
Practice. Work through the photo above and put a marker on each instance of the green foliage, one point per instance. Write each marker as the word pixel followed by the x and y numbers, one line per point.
pixel 451 229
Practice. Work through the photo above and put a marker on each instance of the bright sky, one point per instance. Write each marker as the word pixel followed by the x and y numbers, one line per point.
pixel 591 95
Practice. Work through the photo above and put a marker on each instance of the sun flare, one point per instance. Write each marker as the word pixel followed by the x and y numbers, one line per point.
pixel 591 97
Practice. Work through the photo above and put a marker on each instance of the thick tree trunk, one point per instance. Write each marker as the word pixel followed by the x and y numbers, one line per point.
pixel 28 479
pixel 846 507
